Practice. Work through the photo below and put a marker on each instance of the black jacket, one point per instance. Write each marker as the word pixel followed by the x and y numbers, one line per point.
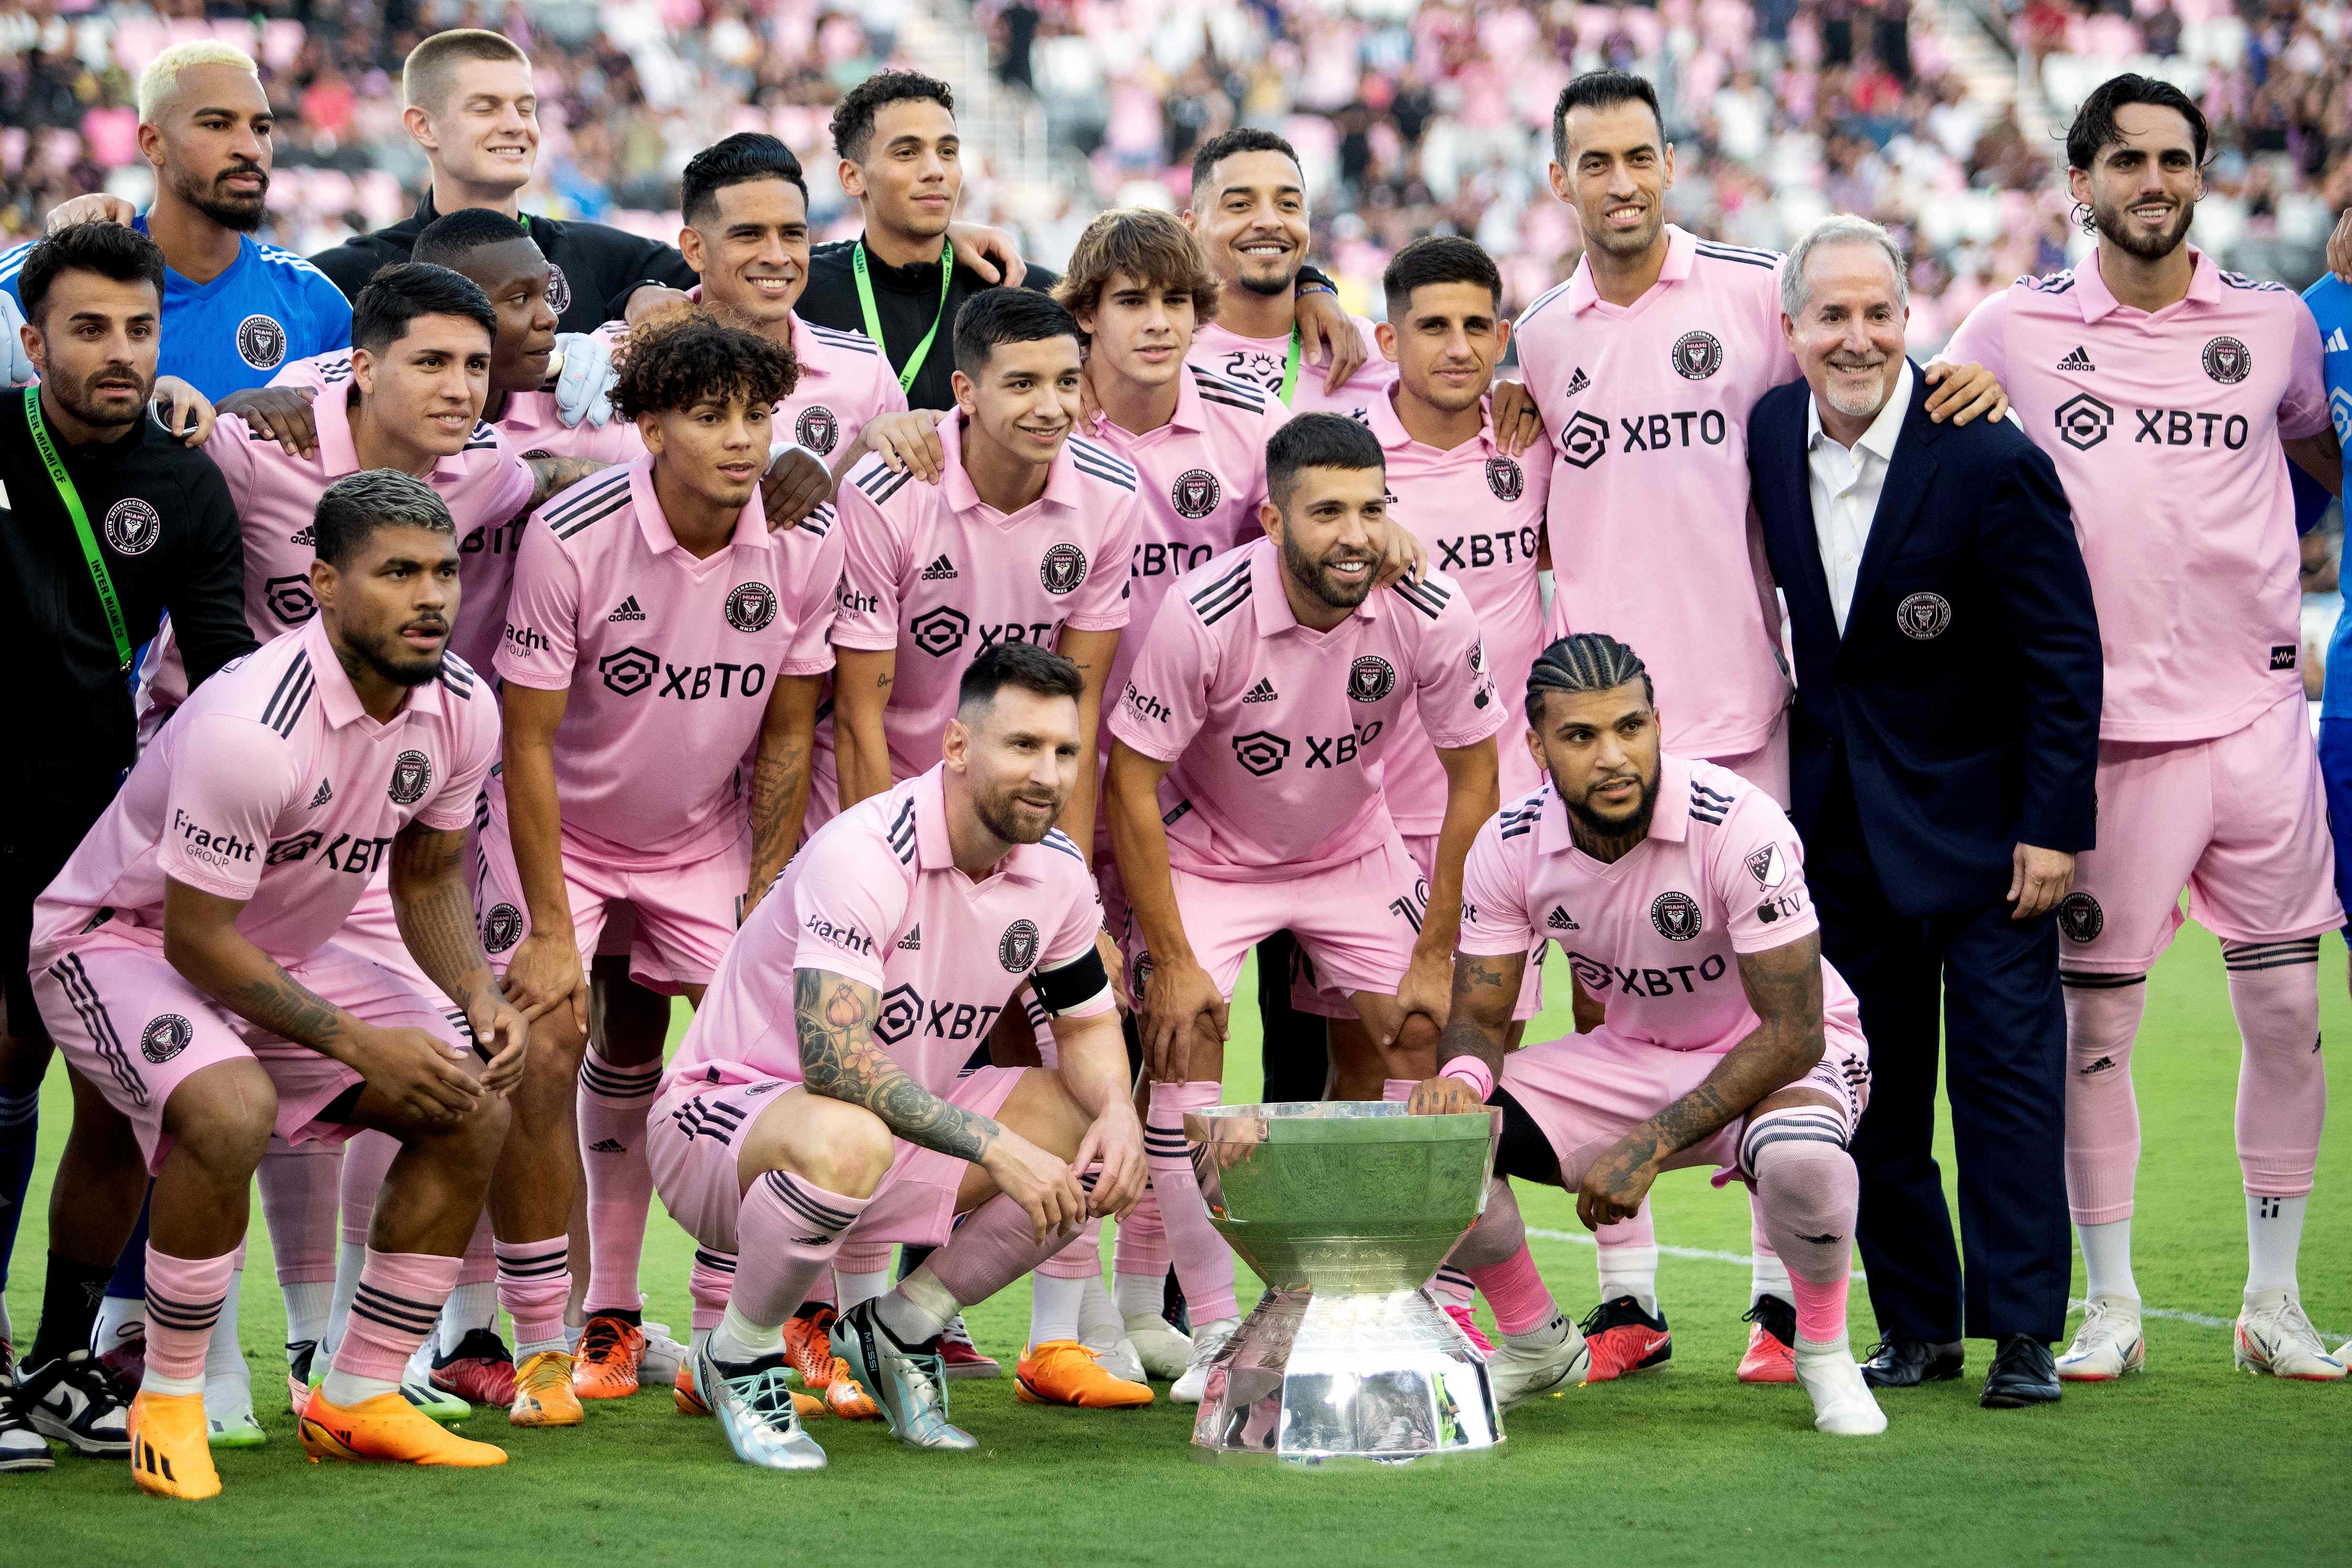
pixel 168 532
pixel 596 267
pixel 907 298
pixel 1963 694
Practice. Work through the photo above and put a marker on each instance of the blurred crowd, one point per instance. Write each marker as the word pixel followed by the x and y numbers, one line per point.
pixel 1413 116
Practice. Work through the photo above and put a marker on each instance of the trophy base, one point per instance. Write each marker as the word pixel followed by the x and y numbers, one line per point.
pixel 1317 1380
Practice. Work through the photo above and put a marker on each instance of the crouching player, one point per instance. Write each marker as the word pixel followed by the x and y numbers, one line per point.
pixel 184 961
pixel 900 932
pixel 1677 890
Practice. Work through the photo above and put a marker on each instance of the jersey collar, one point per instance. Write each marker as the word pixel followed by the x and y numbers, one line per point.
pixel 934 852
pixel 955 485
pixel 177 282
pixel 337 698
pixel 1272 605
pixel 339 454
pixel 1682 248
pixel 2098 302
pixel 751 523
pixel 1669 816
pixel 1387 426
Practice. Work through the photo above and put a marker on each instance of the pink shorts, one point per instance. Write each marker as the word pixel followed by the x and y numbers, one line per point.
pixel 1586 1091
pixel 131 1024
pixel 684 915
pixel 690 1143
pixel 1307 996
pixel 2240 820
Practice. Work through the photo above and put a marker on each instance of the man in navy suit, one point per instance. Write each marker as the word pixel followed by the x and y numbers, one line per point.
pixel 1942 751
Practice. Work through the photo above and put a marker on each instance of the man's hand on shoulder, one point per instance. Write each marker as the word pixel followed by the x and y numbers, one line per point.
pixel 1962 392
pixel 283 413
pixel 96 208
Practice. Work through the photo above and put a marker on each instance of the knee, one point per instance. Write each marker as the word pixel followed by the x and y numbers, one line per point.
pixel 1497 1233
pixel 1804 1177
pixel 221 1117
pixel 550 1071
pixel 850 1157
pixel 481 1133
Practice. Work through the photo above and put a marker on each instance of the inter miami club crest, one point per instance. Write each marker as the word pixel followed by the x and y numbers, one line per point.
pixel 1017 948
pixel 1504 479
pixel 1676 916
pixel 1924 616
pixel 2228 361
pixel 817 429
pixel 261 342
pixel 165 1038
pixel 1697 355
pixel 2081 918
pixel 1063 568
pixel 132 526
pixel 502 927
pixel 1195 493
pixel 1139 986
pixel 558 289
pixel 412 775
pixel 751 607
pixel 1371 678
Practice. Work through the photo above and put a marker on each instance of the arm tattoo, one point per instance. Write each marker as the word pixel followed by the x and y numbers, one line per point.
pixel 434 911
pixel 840 1061
pixel 1784 986
pixel 551 477
pixel 1485 991
pixel 779 777
pixel 287 1008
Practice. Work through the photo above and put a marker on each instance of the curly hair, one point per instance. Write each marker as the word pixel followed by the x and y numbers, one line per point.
pixel 671 366
pixel 1152 247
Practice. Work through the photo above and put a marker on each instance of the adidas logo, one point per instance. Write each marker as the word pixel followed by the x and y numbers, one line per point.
pixel 815 1240
pixel 1577 382
pixel 912 942
pixel 309 536
pixel 1559 920
pixel 2077 360
pixel 326 793
pixel 628 610
pixel 2337 343
pixel 940 570
pixel 608 1146
pixel 1261 693
pixel 2101 1065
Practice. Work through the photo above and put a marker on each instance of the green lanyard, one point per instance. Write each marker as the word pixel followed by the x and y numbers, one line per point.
pixel 874 320
pixel 1290 369
pixel 99 575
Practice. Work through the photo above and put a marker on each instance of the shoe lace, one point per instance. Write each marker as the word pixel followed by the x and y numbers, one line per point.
pixel 767 1395
pixel 96 1381
pixel 1774 1316
pixel 543 1371
pixel 601 1340
pixel 2294 1326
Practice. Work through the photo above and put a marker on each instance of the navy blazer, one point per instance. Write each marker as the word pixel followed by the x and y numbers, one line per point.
pixel 1964 693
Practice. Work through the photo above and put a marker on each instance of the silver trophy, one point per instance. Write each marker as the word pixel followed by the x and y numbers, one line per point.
pixel 1345 1210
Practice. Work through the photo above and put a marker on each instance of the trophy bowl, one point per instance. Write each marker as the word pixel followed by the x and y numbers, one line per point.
pixel 1345 1210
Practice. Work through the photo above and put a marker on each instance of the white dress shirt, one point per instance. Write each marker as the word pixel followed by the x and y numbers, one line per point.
pixel 1845 483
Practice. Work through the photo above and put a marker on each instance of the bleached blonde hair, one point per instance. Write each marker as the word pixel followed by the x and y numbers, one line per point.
pixel 162 77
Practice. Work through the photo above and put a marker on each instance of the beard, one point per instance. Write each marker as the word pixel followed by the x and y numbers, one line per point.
pixel 237 212
pixel 998 814
pixel 1270 288
pixel 1592 825
pixel 83 402
pixel 1859 404
pixel 1312 575
pixel 2115 227
pixel 401 669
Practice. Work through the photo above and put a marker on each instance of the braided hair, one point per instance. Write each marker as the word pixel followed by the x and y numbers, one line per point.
pixel 1584 662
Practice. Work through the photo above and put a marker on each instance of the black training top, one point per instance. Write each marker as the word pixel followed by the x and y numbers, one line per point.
pixel 168 532
pixel 596 269
pixel 907 298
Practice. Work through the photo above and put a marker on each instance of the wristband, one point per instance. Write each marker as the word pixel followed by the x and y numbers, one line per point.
pixel 1313 280
pixel 1470 1069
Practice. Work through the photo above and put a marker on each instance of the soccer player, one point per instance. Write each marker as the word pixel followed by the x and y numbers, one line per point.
pixel 659 630
pixel 1677 890
pixel 1243 799
pixel 2163 387
pixel 901 930
pixel 184 961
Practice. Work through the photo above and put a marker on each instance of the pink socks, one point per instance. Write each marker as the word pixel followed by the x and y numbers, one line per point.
pixel 2282 1078
pixel 785 1233
pixel 184 1297
pixel 1204 1264
pixel 1806 1193
pixel 534 1281
pixel 711 1281
pixel 2103 1015
pixel 399 1301
pixel 613 1101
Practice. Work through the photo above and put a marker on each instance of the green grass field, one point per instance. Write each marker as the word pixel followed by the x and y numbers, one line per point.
pixel 2192 1463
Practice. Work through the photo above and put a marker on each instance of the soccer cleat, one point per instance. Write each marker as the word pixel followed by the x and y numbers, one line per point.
pixel 1064 1372
pixel 808 1347
pixel 127 1361
pixel 388 1429
pixel 758 1411
pixel 1842 1405
pixel 1772 1343
pixel 236 1428
pixel 2274 1336
pixel 21 1448
pixel 605 1364
pixel 1625 1339
pixel 1122 1362
pixel 1165 1353
pixel 543 1391
pixel 1460 1313
pixel 961 1357
pixel 482 1369
pixel 76 1401
pixel 1208 1343
pixel 435 1403
pixel 169 1455
pixel 2108 1344
pixel 683 1394
pixel 664 1356
pixel 300 1355
pixel 910 1382
pixel 1519 1370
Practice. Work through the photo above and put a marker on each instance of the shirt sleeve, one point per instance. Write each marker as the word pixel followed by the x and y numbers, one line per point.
pixel 650 261
pixel 1101 603
pixel 509 487
pixel 872 565
pixel 810 652
pixel 1167 696
pixel 451 808
pixel 2303 411
pixel 843 912
pixel 206 596
pixel 1757 868
pixel 1455 689
pixel 1494 906
pixel 1983 338
pixel 1073 941
pixel 231 450
pixel 235 778
pixel 542 645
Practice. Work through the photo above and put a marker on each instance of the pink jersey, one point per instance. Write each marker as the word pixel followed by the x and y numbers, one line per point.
pixel 1656 936
pixel 875 897
pixel 1480 514
pixel 938 574
pixel 1651 540
pixel 2165 429
pixel 1262 360
pixel 668 660
pixel 844 382
pixel 273 786
pixel 1276 731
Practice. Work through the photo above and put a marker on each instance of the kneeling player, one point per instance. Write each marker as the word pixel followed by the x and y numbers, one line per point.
pixel 1677 890
pixel 906 922
pixel 183 960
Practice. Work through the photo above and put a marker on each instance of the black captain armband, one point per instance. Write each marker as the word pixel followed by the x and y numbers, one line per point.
pixel 1075 983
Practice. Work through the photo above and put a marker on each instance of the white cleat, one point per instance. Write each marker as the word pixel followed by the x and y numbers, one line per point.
pixel 1520 1368
pixel 2274 1336
pixel 1208 1343
pixel 664 1356
pixel 2108 1344
pixel 1120 1361
pixel 1166 1354
pixel 1842 1405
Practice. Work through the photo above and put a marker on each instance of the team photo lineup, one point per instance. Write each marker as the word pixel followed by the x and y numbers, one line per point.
pixel 977 689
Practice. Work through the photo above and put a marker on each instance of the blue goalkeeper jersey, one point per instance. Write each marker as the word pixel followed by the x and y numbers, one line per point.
pixel 2330 300
pixel 269 309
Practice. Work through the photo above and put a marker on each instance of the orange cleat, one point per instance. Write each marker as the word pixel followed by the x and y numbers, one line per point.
pixel 1064 1372
pixel 388 1429
pixel 808 1346
pixel 682 1392
pixel 171 1450
pixel 1771 1344
pixel 543 1393
pixel 611 1352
